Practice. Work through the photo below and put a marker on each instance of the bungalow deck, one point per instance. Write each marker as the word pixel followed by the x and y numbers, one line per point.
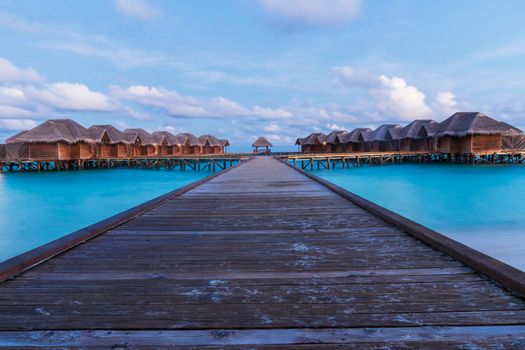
pixel 260 256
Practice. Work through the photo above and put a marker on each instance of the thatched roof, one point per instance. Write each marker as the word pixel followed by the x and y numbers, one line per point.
pixel 55 130
pixel 353 136
pixel 224 142
pixel 473 123
pixel 430 129
pixel 146 138
pixel 115 135
pixel 2 151
pixel 209 140
pixel 190 139
pixel 333 137
pixel 410 131
pixel 511 130
pixel 312 139
pixel 380 134
pixel 262 142
pixel 172 140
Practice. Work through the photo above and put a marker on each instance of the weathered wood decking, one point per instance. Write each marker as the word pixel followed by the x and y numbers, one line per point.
pixel 261 256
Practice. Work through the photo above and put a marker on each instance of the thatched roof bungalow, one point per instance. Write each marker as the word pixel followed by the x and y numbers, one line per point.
pixel 110 142
pixel 143 143
pixel 57 139
pixel 313 143
pixel 472 132
pixel 333 141
pixel 413 137
pixel 210 144
pixel 350 141
pixel 192 144
pixel 168 144
pixel 262 142
pixel 378 140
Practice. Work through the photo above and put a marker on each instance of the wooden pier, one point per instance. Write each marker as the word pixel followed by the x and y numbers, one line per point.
pixel 260 256
pixel 355 159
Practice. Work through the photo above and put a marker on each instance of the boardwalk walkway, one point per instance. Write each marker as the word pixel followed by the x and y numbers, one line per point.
pixel 261 256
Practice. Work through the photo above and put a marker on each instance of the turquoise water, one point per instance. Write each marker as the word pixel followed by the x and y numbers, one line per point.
pixel 36 208
pixel 482 206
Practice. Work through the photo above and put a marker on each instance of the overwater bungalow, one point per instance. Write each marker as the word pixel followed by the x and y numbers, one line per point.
pixel 333 144
pixel 350 141
pixel 263 143
pixel 192 144
pixel 168 144
pixel 142 142
pixel 210 144
pixel 313 143
pixel 58 139
pixel 109 142
pixel 472 132
pixel 411 138
pixel 377 140
pixel 224 143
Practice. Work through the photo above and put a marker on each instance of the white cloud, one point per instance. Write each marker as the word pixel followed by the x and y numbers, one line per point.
pixel 348 77
pixel 446 100
pixel 272 127
pixel 334 127
pixel 177 105
pixel 400 100
pixel 9 73
pixel 139 9
pixel 17 124
pixel 313 12
pixel 70 96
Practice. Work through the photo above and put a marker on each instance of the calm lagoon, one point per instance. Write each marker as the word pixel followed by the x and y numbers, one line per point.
pixel 36 208
pixel 482 206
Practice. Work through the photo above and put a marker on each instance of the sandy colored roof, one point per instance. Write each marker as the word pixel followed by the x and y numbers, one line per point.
pixel 54 130
pixel 262 142
pixel 172 140
pixel 209 140
pixel 114 134
pixel 146 138
pixel 190 139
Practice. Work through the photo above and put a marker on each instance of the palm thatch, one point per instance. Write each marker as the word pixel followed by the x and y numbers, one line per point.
pixel 224 142
pixel 172 140
pixel 312 139
pixel 114 135
pixel 2 152
pixel 353 136
pixel 430 129
pixel 262 142
pixel 146 138
pixel 380 134
pixel 209 140
pixel 333 137
pixel 410 131
pixel 190 139
pixel 55 130
pixel 473 123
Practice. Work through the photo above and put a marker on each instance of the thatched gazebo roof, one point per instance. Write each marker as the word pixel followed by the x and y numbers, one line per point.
pixel 474 123
pixel 54 130
pixel 146 138
pixel 262 142
pixel 115 135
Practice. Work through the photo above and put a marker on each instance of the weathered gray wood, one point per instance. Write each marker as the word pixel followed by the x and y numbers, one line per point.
pixel 263 256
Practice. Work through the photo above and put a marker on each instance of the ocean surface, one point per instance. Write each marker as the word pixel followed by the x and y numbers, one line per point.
pixel 36 208
pixel 482 206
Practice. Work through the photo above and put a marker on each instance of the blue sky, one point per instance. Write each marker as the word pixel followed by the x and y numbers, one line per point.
pixel 244 68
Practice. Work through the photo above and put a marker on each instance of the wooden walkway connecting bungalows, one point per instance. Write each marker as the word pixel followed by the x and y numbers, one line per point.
pixel 331 160
pixel 278 261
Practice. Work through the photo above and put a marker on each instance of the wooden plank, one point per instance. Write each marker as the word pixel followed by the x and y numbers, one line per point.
pixel 22 262
pixel 507 275
pixel 222 337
